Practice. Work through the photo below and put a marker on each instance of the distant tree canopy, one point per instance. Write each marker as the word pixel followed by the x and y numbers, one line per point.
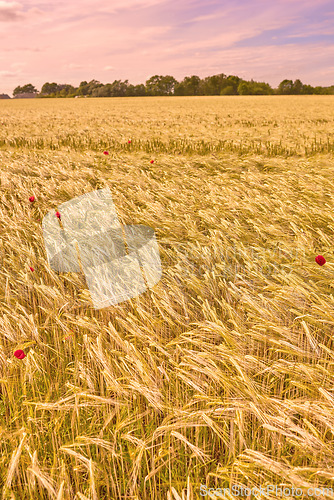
pixel 50 88
pixel 88 88
pixel 26 88
pixel 159 85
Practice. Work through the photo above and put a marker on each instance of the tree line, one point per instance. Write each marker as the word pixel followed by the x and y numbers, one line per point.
pixel 167 85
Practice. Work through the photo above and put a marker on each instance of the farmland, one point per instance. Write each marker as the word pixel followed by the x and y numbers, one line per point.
pixel 222 373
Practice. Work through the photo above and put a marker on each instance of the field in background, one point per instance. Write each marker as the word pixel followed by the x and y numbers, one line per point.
pixel 220 375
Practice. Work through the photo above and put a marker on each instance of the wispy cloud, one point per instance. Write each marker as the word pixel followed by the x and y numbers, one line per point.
pixel 74 66
pixel 20 49
pixel 135 39
pixel 6 74
pixel 10 11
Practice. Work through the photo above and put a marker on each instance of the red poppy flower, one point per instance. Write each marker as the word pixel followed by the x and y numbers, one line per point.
pixel 32 269
pixel 152 161
pixel 129 142
pixel 105 152
pixel 320 260
pixel 32 199
pixel 69 336
pixel 19 354
pixel 58 215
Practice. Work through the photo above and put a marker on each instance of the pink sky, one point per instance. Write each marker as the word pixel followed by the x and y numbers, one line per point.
pixel 67 42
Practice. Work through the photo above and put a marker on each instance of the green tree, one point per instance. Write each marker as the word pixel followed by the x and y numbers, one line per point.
pixel 66 89
pixel 26 88
pixel 153 85
pixel 318 90
pixel 213 85
pixel 167 85
pixel 104 91
pixel 307 89
pixel 266 88
pixel 93 84
pixel 243 88
pixel 70 90
pixel 17 90
pixel 49 88
pixel 330 90
pixel 180 89
pixel 161 85
pixel 190 85
pixel 234 82
pixel 83 88
pixel 115 89
pixel 256 88
pixel 229 90
pixel 285 87
pixel 130 91
pixel 118 88
pixel 140 90
pixel 297 87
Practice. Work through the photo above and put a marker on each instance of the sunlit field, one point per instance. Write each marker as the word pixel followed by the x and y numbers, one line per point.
pixel 221 375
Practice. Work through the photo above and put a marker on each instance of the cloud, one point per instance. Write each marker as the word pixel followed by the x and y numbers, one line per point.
pixel 10 11
pixel 74 66
pixel 24 49
pixel 150 31
pixel 310 33
pixel 131 39
pixel 268 63
pixel 118 5
pixel 68 11
pixel 18 65
pixel 35 11
pixel 9 74
pixel 217 14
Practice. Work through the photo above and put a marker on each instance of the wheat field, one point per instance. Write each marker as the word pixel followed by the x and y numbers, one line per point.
pixel 219 375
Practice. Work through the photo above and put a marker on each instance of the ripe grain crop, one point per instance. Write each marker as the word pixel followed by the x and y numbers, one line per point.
pixel 222 373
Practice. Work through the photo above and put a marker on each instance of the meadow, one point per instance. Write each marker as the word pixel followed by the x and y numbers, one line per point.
pixel 222 373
